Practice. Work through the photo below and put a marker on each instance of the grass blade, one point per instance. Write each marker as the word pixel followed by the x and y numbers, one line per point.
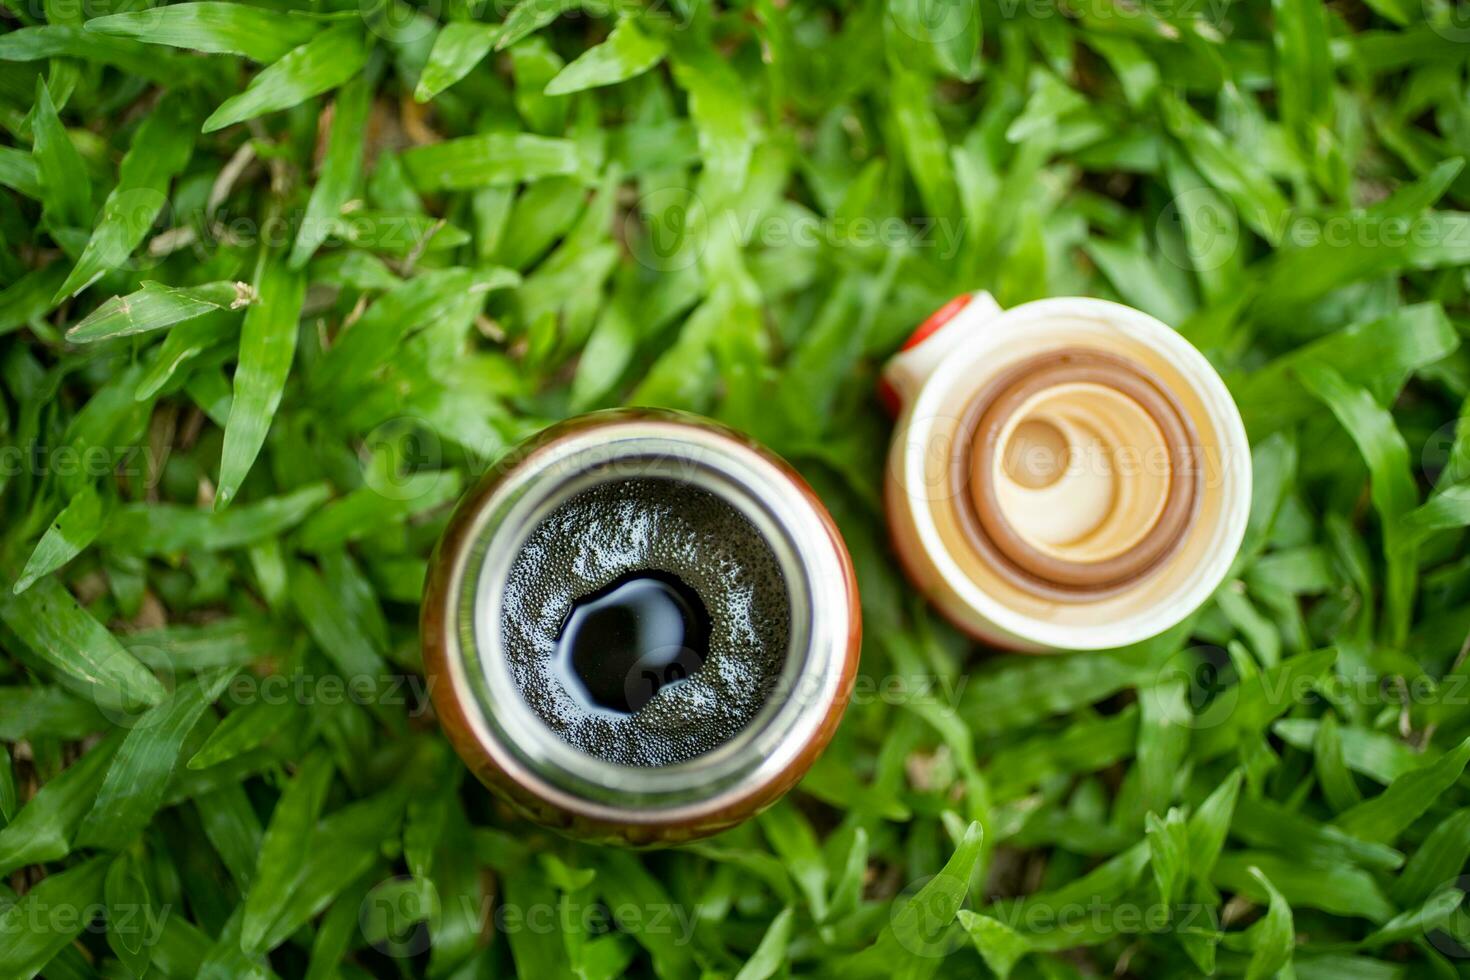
pixel 229 821
pixel 1378 354
pixel 627 884
pixel 142 530
pixel 156 306
pixel 1210 823
pixel 1168 848
pixel 792 838
pixel 139 775
pixel 1255 196
pixel 267 347
pixel 771 953
pixel 1446 847
pixel 374 339
pixel 77 526
pixel 627 53
pixel 529 16
pixel 31 934
pixel 66 190
pixel 59 631
pixel 1387 815
pixel 925 146
pixel 29 298
pixel 1000 946
pixel 1332 772
pixel 341 170
pixel 1304 79
pixel 71 41
pixel 284 847
pixel 244 729
pixel 341 849
pixel 333 627
pixel 320 65
pixel 945 35
pixel 9 799
pixel 219 28
pixel 41 712
pixel 1390 480
pixel 1274 937
pixel 459 46
pixel 490 160
pixel 183 344
pixel 44 827
pixel 129 908
pixel 160 150
pixel 19 172
pixel 918 927
pixel 722 116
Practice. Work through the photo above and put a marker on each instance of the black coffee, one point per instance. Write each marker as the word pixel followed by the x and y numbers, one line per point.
pixel 646 621
pixel 625 642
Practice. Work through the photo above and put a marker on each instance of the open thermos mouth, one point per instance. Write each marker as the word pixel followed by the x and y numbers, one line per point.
pixel 1076 473
pixel 628 534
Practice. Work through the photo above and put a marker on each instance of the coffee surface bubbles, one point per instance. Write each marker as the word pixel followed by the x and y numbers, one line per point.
pixel 646 621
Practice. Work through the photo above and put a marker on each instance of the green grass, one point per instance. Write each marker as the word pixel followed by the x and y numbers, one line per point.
pixel 277 283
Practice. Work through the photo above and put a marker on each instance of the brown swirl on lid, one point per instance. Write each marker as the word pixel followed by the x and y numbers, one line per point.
pixel 991 533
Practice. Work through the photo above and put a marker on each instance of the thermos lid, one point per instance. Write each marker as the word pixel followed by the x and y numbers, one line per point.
pixel 1070 474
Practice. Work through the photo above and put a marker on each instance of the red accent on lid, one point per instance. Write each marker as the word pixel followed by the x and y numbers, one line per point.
pixel 937 319
pixel 888 398
pixel 887 394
